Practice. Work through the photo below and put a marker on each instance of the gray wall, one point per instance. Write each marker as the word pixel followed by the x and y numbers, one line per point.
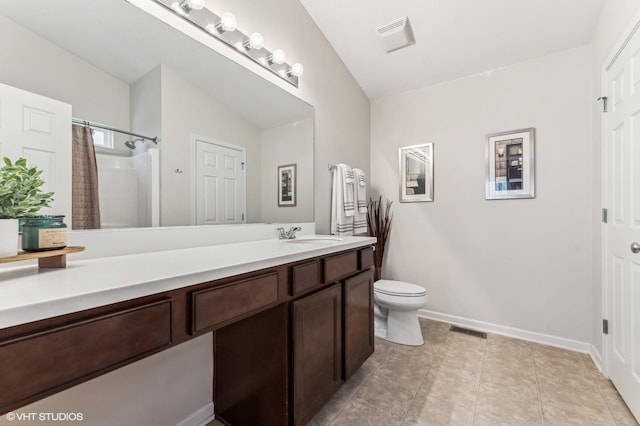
pixel 516 263
pixel 55 73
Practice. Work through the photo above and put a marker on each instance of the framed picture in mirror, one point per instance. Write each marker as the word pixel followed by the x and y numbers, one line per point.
pixel 416 173
pixel 510 165
pixel 287 185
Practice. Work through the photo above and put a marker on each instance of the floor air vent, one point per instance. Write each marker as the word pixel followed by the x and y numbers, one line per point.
pixel 479 334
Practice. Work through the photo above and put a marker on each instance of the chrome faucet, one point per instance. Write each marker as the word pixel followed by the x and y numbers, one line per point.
pixel 288 235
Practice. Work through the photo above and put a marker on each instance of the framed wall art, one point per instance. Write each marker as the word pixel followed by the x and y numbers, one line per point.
pixel 287 185
pixel 510 164
pixel 416 173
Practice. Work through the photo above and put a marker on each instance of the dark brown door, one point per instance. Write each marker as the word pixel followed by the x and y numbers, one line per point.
pixel 358 321
pixel 317 351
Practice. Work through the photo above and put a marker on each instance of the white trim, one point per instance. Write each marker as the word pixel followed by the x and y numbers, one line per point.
pixel 604 236
pixel 518 333
pixel 199 418
pixel 622 42
pixel 613 55
pixel 597 358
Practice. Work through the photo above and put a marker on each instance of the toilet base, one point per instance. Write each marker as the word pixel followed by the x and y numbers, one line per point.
pixel 403 327
pixel 400 327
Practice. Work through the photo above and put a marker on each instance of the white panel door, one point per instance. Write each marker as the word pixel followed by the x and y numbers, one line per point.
pixel 219 183
pixel 39 129
pixel 622 194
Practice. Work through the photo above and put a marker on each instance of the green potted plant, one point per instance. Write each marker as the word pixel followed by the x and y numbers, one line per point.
pixel 379 223
pixel 21 195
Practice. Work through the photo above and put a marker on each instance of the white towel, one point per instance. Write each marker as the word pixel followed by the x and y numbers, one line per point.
pixel 348 189
pixel 361 190
pixel 360 216
pixel 341 224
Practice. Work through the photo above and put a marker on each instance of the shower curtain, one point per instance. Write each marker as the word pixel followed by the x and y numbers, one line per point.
pixel 84 195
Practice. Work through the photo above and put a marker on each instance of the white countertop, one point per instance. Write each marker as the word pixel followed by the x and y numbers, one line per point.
pixel 29 294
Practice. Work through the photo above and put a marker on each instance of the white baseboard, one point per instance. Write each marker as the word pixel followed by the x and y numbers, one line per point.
pixel 532 336
pixel 200 418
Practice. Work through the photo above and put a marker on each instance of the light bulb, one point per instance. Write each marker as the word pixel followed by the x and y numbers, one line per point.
pixel 185 6
pixel 296 70
pixel 196 4
pixel 255 41
pixel 228 22
pixel 277 57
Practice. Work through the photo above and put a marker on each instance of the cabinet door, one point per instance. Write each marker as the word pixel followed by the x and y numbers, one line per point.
pixel 358 321
pixel 317 351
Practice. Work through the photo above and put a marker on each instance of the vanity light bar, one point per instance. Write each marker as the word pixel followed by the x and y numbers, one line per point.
pixel 223 28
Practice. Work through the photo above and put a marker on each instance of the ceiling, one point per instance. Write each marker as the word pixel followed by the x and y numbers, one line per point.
pixel 454 38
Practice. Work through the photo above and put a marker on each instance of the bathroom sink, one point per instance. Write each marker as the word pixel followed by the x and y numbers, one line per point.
pixel 313 240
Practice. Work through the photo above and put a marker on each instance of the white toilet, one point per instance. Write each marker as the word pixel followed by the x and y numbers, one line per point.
pixel 396 305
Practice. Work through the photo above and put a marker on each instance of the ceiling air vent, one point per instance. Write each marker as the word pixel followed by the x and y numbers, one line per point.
pixel 396 35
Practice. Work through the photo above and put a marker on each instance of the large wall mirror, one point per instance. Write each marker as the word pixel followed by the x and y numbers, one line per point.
pixel 222 130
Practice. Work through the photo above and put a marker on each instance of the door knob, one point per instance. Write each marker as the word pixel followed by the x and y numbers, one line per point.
pixel 635 248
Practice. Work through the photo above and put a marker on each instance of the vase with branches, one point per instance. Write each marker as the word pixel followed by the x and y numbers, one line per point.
pixel 379 224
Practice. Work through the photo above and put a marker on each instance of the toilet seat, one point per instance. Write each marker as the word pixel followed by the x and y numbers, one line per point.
pixel 399 288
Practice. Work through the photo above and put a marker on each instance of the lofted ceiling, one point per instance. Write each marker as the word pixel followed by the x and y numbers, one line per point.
pixel 454 38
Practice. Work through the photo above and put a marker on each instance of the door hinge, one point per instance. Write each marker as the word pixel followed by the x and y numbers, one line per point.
pixel 243 217
pixel 242 165
pixel 605 326
pixel 605 215
pixel 604 103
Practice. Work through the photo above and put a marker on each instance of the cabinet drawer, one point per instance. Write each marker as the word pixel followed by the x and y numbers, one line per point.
pixel 55 359
pixel 304 277
pixel 219 304
pixel 339 266
pixel 365 258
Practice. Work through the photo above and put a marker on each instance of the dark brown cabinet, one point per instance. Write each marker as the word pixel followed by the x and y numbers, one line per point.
pixel 317 351
pixel 285 338
pixel 358 321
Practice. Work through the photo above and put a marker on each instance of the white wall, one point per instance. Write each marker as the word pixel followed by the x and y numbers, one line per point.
pixel 615 18
pixel 516 263
pixel 58 74
pixel 185 111
pixel 283 145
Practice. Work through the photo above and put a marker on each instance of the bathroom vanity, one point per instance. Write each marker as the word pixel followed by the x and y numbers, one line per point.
pixel 291 321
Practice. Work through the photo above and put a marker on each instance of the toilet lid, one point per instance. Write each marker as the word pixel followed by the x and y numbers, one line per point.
pixel 398 288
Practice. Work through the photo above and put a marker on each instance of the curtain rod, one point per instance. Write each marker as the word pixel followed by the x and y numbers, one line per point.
pixel 100 126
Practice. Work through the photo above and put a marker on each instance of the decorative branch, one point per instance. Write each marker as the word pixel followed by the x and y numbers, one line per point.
pixel 379 226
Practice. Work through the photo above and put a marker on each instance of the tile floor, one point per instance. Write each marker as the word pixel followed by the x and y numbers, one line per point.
pixel 457 379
